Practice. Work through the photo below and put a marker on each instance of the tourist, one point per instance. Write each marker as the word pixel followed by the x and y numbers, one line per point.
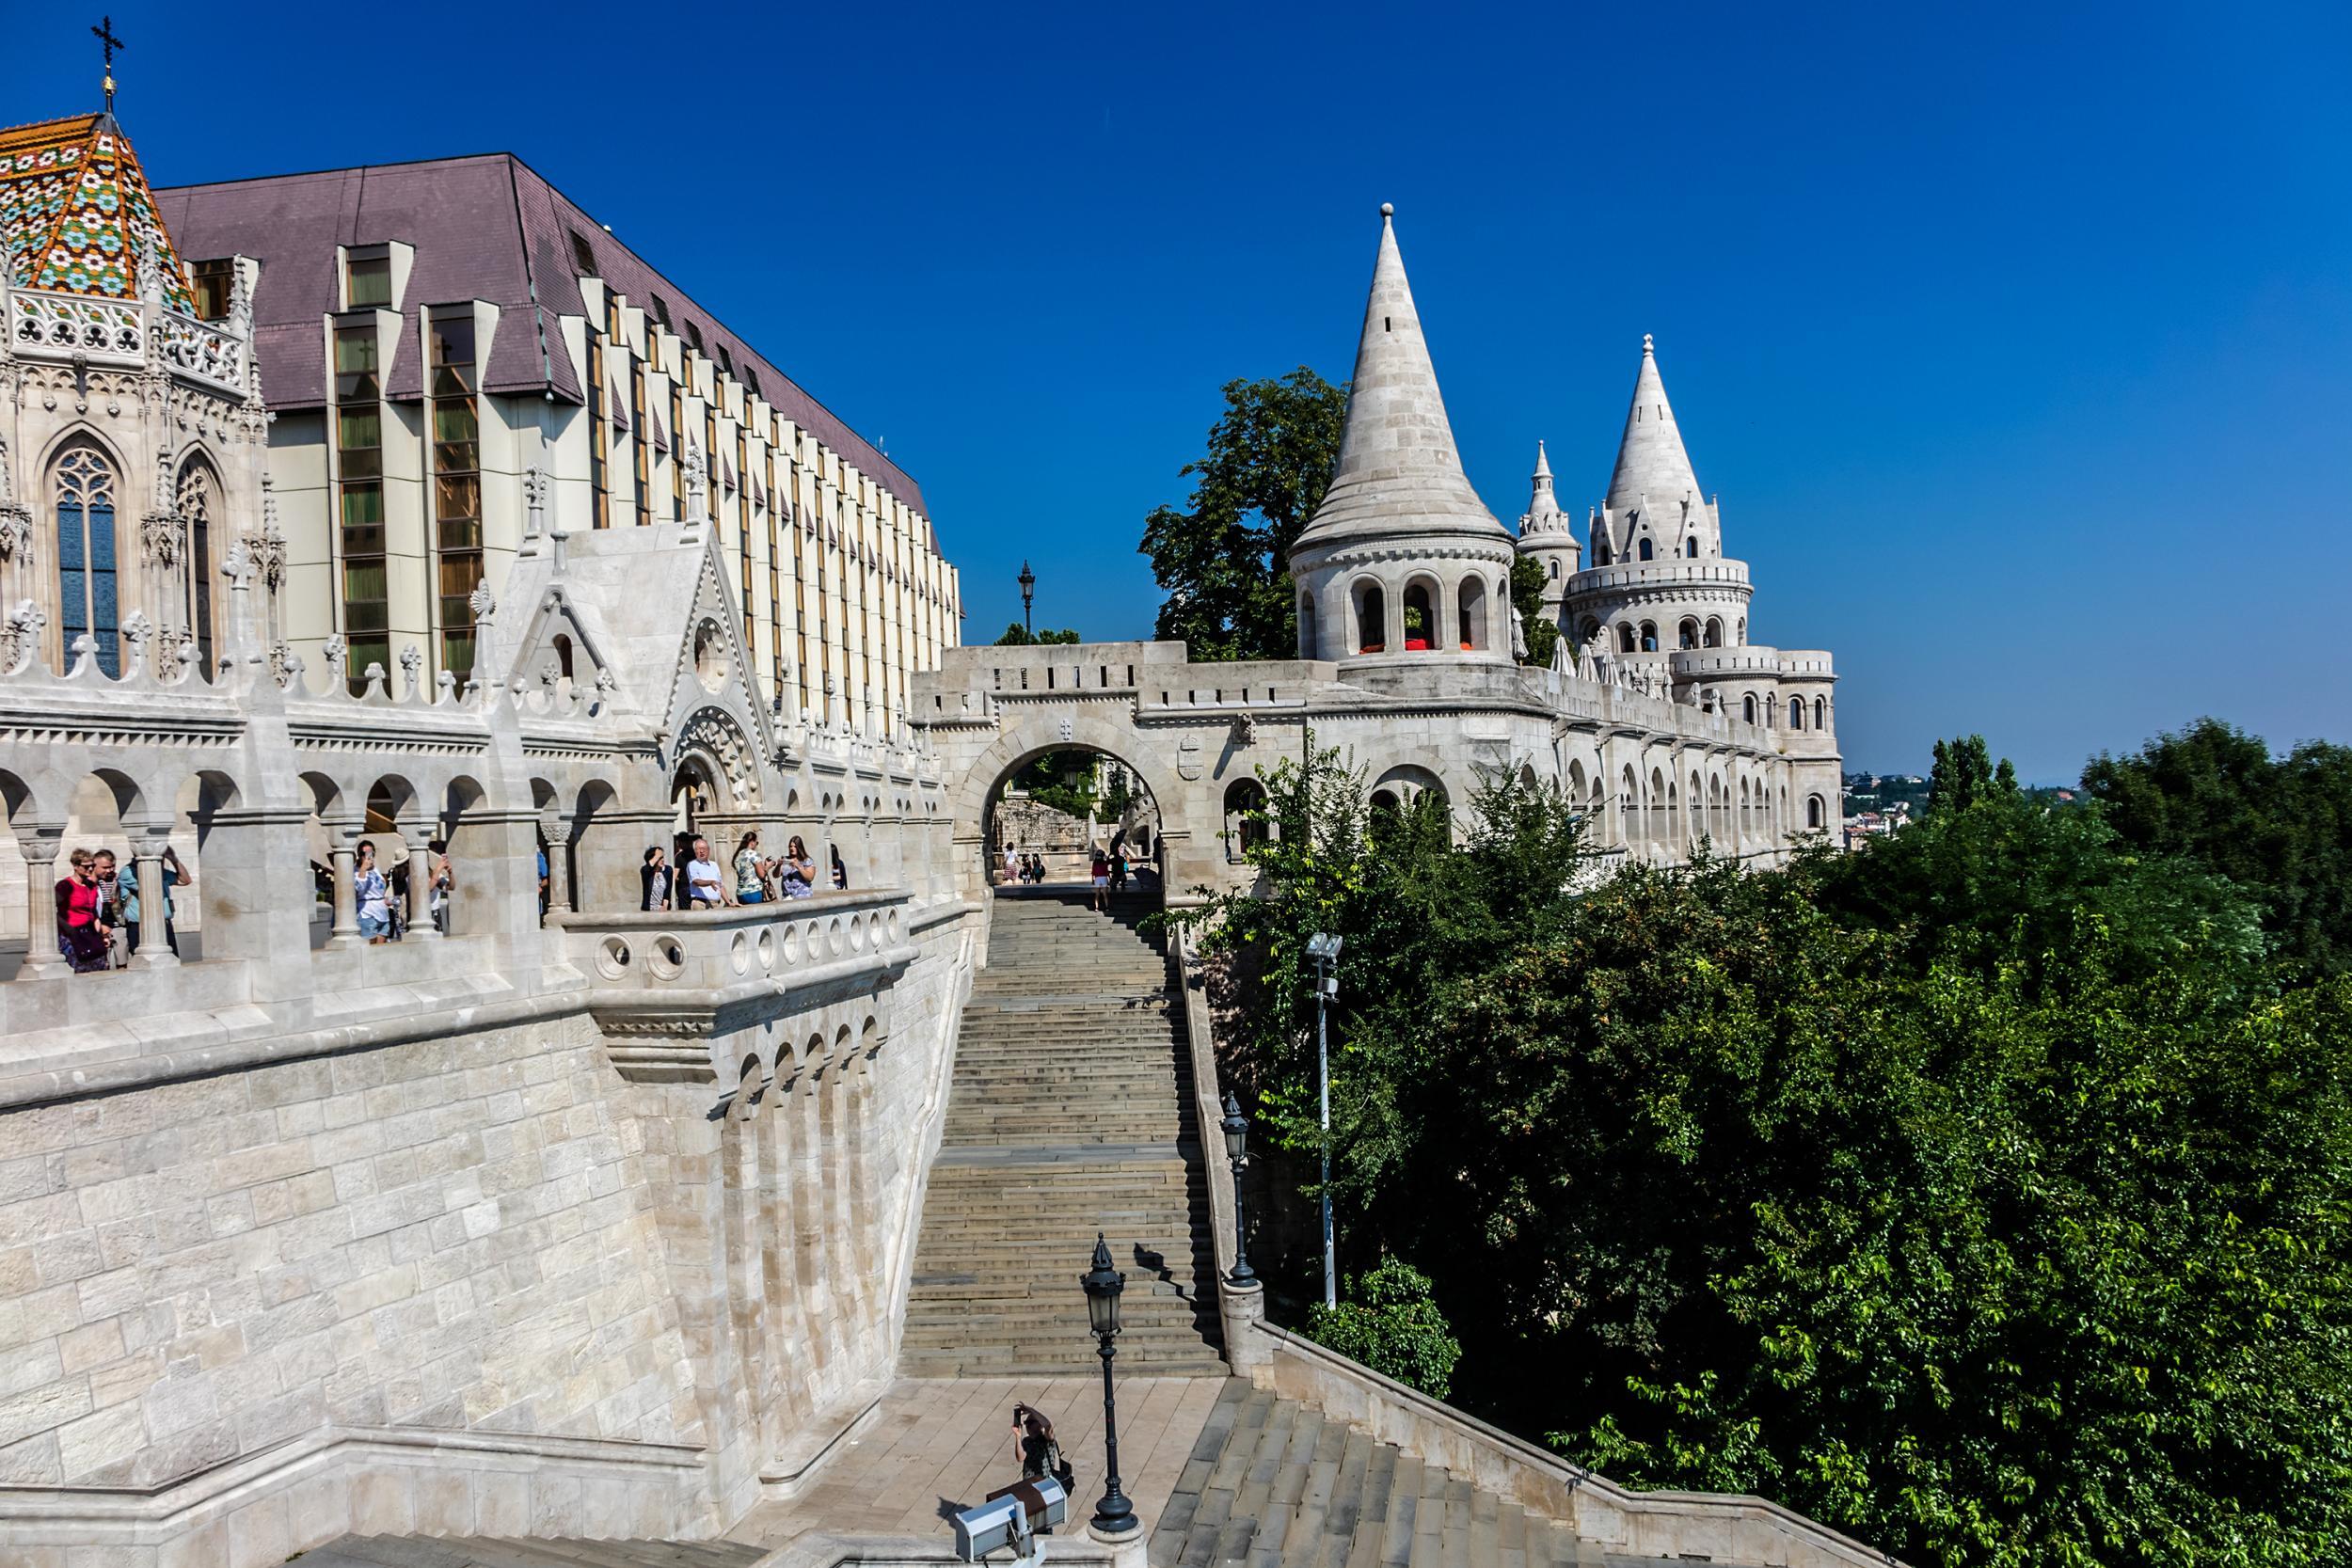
pixel 396 894
pixel 1118 870
pixel 82 936
pixel 133 909
pixel 655 875
pixel 543 881
pixel 1016 869
pixel 1041 1454
pixel 1033 869
pixel 372 893
pixel 1101 898
pixel 704 891
pixel 751 872
pixel 799 871
pixel 438 884
pixel 110 909
pixel 840 872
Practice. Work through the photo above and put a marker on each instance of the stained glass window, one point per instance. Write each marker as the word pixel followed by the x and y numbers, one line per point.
pixel 85 492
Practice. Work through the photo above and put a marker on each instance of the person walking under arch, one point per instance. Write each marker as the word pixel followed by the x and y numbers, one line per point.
pixel 1101 897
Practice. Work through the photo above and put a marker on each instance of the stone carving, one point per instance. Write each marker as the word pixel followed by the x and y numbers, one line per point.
pixel 26 621
pixel 1245 729
pixel 134 631
pixel 411 662
pixel 16 533
pixel 337 654
pixel 481 603
pixel 285 665
pixel 163 535
pixel 1518 634
pixel 7 489
pixel 697 478
pixel 85 652
pixel 534 500
pixel 237 565
pixel 715 735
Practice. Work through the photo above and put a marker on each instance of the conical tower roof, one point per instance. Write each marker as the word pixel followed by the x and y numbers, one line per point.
pixel 1399 474
pixel 1543 507
pixel 76 213
pixel 1651 461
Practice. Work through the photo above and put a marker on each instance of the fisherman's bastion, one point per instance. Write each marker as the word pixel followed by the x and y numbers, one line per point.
pixel 563 1230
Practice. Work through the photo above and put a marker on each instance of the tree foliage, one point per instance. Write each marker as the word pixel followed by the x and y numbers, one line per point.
pixel 1018 636
pixel 1224 559
pixel 1527 598
pixel 1984 1194
pixel 2215 795
pixel 1388 1319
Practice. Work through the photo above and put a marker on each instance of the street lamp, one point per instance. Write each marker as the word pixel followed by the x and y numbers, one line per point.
pixel 1325 949
pixel 1114 1514
pixel 1028 590
pixel 1236 1130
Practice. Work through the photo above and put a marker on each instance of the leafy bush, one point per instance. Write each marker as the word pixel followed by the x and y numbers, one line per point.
pixel 1388 1319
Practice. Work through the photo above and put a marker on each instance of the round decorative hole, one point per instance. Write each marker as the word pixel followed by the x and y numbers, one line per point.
pixel 792 944
pixel 895 925
pixel 857 934
pixel 740 954
pixel 613 957
pixel 668 959
pixel 766 952
pixel 832 937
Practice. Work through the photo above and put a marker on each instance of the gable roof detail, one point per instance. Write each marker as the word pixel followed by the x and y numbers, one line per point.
pixel 76 213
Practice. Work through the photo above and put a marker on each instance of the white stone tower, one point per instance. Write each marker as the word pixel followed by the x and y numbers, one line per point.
pixel 1659 581
pixel 1402 561
pixel 1545 536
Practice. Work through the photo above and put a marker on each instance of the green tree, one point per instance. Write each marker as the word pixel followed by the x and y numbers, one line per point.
pixel 1018 636
pixel 1224 559
pixel 1388 1319
pixel 2280 828
pixel 1527 598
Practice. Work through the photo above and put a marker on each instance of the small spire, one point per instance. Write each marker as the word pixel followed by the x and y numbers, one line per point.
pixel 1388 210
pixel 1648 349
pixel 1543 463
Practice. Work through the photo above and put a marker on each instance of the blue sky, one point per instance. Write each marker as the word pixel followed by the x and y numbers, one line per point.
pixel 2017 343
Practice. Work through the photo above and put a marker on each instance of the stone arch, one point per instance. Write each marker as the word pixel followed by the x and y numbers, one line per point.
pixel 1747 708
pixel 712 735
pixel 1687 634
pixel 1471 617
pixel 1422 600
pixel 1649 636
pixel 1032 734
pixel 1625 637
pixel 1714 638
pixel 1244 796
pixel 1816 814
pixel 1369 604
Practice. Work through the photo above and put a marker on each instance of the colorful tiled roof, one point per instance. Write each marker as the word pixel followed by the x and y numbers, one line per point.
pixel 75 211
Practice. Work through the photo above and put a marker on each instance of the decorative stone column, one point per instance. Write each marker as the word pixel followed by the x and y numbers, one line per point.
pixel 343 839
pixel 39 845
pixel 148 843
pixel 419 912
pixel 557 831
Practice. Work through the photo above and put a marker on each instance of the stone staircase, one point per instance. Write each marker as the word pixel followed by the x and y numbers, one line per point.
pixel 1272 1482
pixel 419 1551
pixel 1070 1113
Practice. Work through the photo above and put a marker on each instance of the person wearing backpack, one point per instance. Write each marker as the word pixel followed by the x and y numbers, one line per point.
pixel 1040 1455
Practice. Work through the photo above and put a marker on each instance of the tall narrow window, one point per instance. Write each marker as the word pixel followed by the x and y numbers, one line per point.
pixel 359 500
pixel 640 442
pixel 368 281
pixel 211 285
pixel 599 435
pixel 197 505
pixel 456 486
pixel 85 492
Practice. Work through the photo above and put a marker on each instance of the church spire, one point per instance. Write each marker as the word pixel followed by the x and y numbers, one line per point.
pixel 1399 472
pixel 1543 507
pixel 1653 473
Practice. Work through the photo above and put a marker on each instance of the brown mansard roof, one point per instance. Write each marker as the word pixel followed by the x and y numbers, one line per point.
pixel 486 227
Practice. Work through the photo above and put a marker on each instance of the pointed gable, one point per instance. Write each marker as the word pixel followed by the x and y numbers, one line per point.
pixel 1399 472
pixel 75 213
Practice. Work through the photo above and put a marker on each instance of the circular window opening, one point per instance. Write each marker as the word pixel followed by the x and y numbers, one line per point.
pixel 711 656
pixel 613 957
pixel 669 958
pixel 740 954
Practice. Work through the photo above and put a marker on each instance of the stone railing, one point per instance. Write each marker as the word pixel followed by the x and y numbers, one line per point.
pixel 678 978
pixel 106 331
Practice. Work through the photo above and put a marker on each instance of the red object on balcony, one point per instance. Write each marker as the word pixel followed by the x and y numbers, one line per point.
pixel 1373 648
pixel 1417 645
pixel 1468 649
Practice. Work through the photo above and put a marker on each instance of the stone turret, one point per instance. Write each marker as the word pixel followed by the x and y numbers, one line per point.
pixel 1659 581
pixel 1402 560
pixel 1545 536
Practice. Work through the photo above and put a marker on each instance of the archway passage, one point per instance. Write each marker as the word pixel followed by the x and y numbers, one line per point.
pixel 1048 813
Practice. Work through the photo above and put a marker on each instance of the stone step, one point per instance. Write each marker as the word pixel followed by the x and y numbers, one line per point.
pixel 417 1551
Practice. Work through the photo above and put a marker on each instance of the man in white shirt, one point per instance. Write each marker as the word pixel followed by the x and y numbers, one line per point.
pixel 703 887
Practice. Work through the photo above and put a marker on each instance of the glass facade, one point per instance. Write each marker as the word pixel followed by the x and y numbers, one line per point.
pixel 456 484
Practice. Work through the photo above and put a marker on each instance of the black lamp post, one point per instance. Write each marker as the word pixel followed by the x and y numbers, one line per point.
pixel 1114 1514
pixel 1028 590
pixel 1236 1130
